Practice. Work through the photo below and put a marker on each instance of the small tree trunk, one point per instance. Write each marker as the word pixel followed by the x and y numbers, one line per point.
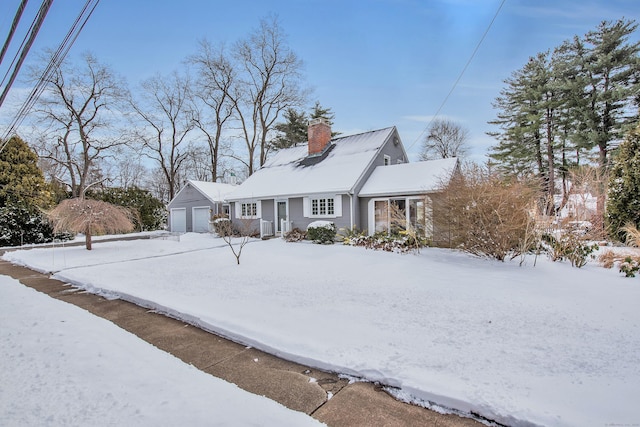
pixel 87 239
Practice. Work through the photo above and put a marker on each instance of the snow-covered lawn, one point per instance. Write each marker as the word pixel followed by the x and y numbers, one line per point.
pixel 547 345
pixel 62 366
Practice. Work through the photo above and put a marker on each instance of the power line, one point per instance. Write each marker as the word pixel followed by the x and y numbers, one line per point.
pixel 473 54
pixel 55 62
pixel 12 31
pixel 26 45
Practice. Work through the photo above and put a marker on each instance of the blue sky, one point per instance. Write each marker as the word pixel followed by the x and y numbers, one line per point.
pixel 376 63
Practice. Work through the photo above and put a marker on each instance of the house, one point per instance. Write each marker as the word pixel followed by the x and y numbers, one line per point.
pixel 352 181
pixel 194 205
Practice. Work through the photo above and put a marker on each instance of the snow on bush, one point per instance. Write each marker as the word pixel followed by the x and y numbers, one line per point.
pixel 323 232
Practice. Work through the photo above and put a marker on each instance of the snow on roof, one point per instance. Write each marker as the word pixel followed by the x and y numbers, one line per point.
pixel 408 178
pixel 338 173
pixel 214 191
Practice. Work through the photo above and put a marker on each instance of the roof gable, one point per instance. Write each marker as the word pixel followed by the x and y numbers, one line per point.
pixel 289 174
pixel 215 192
pixel 409 178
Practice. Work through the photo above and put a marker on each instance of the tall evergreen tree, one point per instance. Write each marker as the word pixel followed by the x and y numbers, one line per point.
pixel 319 112
pixel 22 191
pixel 528 140
pixel 607 70
pixel 623 205
pixel 21 181
pixel 560 109
pixel 293 131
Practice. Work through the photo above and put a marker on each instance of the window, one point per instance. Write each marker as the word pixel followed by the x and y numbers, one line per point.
pixel 387 160
pixel 249 209
pixel 322 207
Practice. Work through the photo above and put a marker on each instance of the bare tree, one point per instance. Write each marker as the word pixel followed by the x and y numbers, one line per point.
pixel 79 108
pixel 91 217
pixel 445 139
pixel 270 84
pixel 165 123
pixel 235 239
pixel 211 102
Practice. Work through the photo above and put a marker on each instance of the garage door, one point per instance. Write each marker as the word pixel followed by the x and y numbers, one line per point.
pixel 179 220
pixel 201 220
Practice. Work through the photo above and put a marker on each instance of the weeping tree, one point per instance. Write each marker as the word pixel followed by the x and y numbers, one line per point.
pixel 90 217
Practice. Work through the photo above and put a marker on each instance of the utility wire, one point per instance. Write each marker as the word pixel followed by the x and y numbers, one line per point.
pixel 42 13
pixel 54 63
pixel 12 31
pixel 461 74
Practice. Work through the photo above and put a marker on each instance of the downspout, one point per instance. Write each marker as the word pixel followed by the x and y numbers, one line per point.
pixel 351 209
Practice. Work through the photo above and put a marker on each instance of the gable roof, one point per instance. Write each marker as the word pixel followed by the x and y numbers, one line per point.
pixel 215 192
pixel 287 174
pixel 409 178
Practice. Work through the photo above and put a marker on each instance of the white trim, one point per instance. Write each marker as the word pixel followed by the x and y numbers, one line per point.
pixel 428 211
pixel 193 217
pixel 386 160
pixel 306 207
pixel 275 211
pixel 238 213
pixel 337 205
pixel 173 217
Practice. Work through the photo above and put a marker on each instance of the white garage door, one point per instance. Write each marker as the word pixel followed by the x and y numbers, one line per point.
pixel 179 220
pixel 201 220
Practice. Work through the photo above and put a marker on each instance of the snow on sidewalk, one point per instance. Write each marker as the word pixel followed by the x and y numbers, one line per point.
pixel 63 366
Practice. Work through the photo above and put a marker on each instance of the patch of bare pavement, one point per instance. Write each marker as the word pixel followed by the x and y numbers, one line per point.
pixel 325 396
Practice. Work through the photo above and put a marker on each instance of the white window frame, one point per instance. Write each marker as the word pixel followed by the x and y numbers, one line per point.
pixel 428 212
pixel 387 160
pixel 326 206
pixel 246 209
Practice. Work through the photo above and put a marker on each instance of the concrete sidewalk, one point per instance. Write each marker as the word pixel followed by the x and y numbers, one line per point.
pixel 295 386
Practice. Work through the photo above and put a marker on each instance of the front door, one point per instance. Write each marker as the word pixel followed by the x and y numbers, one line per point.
pixel 281 214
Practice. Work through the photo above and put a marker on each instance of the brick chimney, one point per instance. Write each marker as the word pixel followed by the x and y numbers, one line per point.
pixel 319 135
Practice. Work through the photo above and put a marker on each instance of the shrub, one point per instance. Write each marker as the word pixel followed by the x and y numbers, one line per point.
pixel 484 214
pixel 222 226
pixel 20 225
pixel 150 212
pixel 295 235
pixel 629 266
pixel 322 232
pixel 570 247
pixel 623 201
pixel 402 242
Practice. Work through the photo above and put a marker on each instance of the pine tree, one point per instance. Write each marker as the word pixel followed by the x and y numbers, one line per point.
pixel 319 112
pixel 606 65
pixel 291 132
pixel 21 181
pixel 623 204
pixel 23 191
pixel 528 143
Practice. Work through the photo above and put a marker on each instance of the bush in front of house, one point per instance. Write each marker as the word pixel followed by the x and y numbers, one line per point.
pixel 401 242
pixel 295 235
pixel 322 232
pixel 222 226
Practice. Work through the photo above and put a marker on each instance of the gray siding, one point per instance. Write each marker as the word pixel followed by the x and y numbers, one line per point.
pixel 189 198
pixel 296 214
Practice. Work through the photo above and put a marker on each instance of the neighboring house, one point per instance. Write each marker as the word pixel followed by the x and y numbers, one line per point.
pixel 350 180
pixel 578 206
pixel 194 205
